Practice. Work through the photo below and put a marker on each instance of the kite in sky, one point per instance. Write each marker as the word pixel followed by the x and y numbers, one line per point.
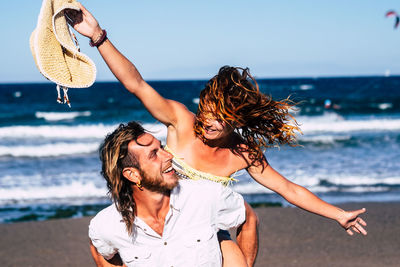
pixel 392 13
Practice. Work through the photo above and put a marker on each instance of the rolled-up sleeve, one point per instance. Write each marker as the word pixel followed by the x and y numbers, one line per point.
pixel 102 246
pixel 231 211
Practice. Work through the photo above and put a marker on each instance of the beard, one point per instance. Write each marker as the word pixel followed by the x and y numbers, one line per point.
pixel 157 185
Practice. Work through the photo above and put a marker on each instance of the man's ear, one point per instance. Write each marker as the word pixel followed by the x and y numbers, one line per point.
pixel 132 174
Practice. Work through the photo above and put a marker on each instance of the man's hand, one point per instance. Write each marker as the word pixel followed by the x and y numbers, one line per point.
pixel 351 222
pixel 84 22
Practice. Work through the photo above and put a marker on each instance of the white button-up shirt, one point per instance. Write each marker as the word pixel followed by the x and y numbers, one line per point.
pixel 198 209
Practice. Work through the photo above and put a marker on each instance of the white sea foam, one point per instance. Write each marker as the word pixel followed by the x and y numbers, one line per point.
pixel 48 150
pixel 61 176
pixel 355 184
pixel 90 185
pixel 58 116
pixel 60 131
pixel 306 87
pixel 384 106
pixel 310 125
pixel 324 139
pixel 157 129
pixel 72 132
pixel 73 190
pixel 334 123
pixel 255 188
pixel 360 189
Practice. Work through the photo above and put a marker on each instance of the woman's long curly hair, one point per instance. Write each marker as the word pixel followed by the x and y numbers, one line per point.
pixel 233 96
pixel 115 157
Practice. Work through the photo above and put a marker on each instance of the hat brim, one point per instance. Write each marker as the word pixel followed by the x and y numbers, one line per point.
pixel 54 51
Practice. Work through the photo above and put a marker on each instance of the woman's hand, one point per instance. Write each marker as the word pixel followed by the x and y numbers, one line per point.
pixel 351 222
pixel 84 22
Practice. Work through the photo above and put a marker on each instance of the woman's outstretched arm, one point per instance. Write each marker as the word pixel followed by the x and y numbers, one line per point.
pixel 162 109
pixel 302 198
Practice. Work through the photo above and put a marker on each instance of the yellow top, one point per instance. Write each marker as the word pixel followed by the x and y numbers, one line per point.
pixel 186 171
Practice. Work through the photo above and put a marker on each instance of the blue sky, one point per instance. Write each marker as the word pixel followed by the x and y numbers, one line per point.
pixel 191 39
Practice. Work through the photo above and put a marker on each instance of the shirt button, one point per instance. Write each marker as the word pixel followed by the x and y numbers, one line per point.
pixel 198 240
pixel 165 243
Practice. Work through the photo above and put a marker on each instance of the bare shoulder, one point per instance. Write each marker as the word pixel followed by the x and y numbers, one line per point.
pixel 243 157
pixel 183 114
pixel 182 131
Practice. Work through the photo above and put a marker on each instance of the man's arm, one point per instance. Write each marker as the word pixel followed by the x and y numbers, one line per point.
pixel 101 261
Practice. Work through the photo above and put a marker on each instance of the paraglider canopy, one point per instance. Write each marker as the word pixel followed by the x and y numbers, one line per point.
pixel 392 13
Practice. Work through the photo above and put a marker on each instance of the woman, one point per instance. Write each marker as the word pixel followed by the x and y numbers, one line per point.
pixel 225 136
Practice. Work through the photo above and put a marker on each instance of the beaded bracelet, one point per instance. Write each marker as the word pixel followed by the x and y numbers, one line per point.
pixel 100 40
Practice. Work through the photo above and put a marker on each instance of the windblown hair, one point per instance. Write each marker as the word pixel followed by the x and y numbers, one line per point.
pixel 233 96
pixel 115 157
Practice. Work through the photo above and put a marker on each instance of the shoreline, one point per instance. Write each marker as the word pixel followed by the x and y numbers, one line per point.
pixel 288 237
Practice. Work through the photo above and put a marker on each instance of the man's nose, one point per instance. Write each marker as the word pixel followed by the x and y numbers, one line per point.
pixel 167 154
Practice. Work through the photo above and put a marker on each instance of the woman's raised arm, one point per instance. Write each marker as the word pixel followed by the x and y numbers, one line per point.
pixel 164 110
pixel 303 198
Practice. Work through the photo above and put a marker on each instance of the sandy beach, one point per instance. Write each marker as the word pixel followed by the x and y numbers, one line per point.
pixel 288 237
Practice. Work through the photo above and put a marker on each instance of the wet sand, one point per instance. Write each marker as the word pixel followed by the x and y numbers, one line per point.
pixel 288 237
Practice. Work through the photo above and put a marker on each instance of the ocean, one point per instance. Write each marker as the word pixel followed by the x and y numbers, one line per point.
pixel 49 164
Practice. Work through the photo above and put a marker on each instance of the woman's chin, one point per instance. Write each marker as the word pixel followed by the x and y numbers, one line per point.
pixel 208 137
pixel 214 136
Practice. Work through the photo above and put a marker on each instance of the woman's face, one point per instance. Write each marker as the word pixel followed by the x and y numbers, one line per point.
pixel 215 129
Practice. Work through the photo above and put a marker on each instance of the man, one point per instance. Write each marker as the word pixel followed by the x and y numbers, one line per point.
pixel 156 219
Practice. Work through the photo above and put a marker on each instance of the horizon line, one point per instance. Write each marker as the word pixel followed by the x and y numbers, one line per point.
pixel 206 79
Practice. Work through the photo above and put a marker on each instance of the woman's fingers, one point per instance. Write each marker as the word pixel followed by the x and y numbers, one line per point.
pixel 349 232
pixel 359 228
pixel 83 9
pixel 354 228
pixel 362 222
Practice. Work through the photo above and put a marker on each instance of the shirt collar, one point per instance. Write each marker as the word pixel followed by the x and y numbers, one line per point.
pixel 174 203
pixel 174 198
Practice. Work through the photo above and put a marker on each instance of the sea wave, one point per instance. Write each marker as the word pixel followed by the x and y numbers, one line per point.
pixel 49 150
pixel 254 188
pixel 39 179
pixel 334 123
pixel 348 180
pixel 49 141
pixel 313 125
pixel 80 131
pixel 345 183
pixel 46 131
pixel 59 116
pixel 74 190
pixel 90 185
pixel 324 139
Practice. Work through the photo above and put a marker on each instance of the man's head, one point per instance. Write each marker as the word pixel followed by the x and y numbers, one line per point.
pixel 154 171
pixel 131 156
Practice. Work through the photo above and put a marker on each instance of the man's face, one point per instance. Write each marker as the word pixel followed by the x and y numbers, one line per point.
pixel 155 164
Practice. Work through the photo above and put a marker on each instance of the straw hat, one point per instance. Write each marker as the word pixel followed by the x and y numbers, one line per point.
pixel 54 51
